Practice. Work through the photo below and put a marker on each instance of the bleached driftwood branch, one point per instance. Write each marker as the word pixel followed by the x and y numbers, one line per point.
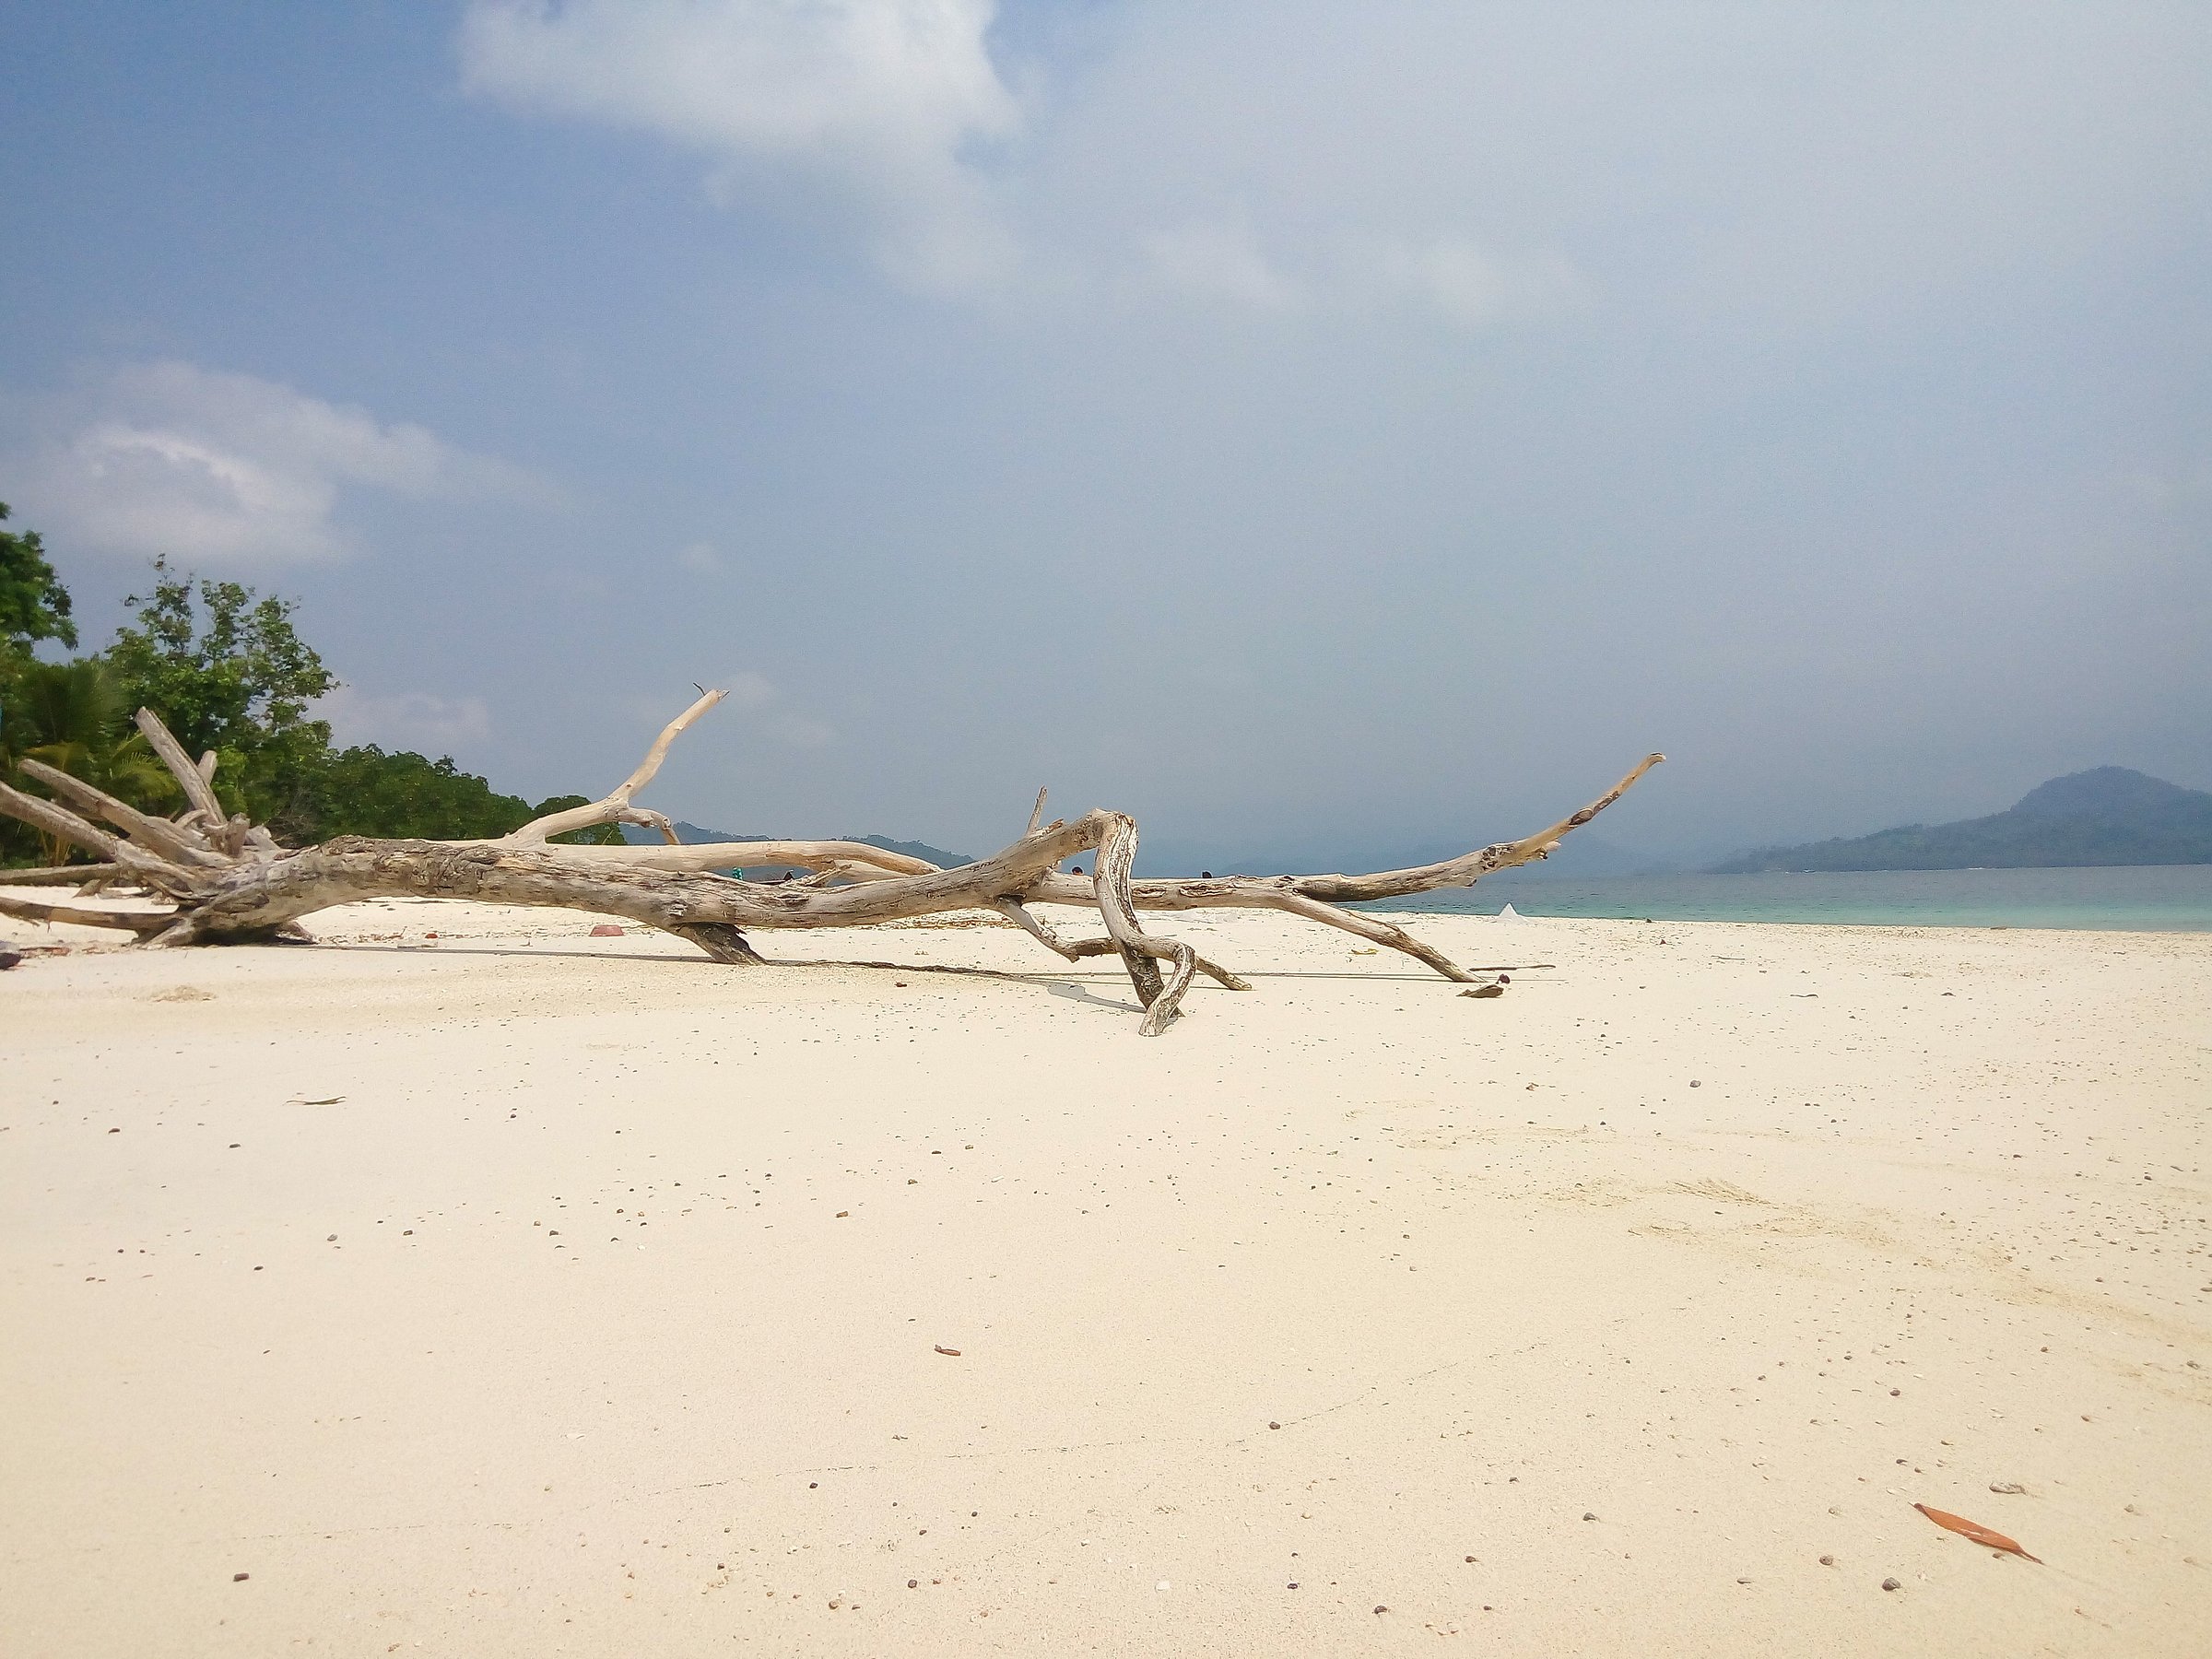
pixel 226 881
pixel 59 875
pixel 614 808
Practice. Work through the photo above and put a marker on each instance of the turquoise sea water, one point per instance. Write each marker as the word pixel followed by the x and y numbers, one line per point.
pixel 2136 898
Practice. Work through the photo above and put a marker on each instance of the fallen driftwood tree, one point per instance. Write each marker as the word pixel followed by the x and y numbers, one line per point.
pixel 226 881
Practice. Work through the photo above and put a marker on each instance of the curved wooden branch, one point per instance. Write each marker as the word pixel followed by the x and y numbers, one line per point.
pixel 1017 912
pixel 59 823
pixel 1381 931
pixel 198 786
pixel 1312 896
pixel 1141 954
pixel 646 818
pixel 59 875
pixel 697 857
pixel 1469 867
pixel 610 807
pixel 159 836
pixel 85 915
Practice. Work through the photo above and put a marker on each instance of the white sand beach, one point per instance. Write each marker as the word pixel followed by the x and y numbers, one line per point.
pixel 525 1293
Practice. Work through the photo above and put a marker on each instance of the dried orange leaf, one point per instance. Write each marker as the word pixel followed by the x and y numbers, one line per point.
pixel 1974 1529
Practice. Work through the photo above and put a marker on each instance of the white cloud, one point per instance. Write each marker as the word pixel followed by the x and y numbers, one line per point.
pixel 1465 285
pixel 411 720
pixel 749 690
pixel 797 731
pixel 700 559
pixel 1219 262
pixel 1448 277
pixel 867 106
pixel 754 695
pixel 169 458
pixel 877 98
pixel 758 701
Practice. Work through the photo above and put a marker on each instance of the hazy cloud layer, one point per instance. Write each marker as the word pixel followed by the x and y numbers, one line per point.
pixel 1315 428
pixel 228 469
pixel 870 101
pixel 407 720
pixel 754 707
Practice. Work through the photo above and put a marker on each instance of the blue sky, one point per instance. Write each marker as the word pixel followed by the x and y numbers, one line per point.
pixel 1319 431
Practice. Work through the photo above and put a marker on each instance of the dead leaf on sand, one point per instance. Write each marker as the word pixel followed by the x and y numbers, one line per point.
pixel 1976 1531
pixel 332 1102
pixel 949 1353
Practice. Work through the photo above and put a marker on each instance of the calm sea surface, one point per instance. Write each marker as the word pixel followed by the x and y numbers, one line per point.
pixel 2155 898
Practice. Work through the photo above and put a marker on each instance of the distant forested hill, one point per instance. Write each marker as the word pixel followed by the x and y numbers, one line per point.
pixel 2110 816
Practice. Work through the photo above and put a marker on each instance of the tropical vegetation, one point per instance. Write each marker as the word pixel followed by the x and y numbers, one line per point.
pixel 228 671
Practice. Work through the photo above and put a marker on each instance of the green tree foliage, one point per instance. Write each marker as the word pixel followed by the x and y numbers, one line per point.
pixel 34 605
pixel 226 670
pixel 364 790
pixel 74 715
pixel 44 710
pixel 229 674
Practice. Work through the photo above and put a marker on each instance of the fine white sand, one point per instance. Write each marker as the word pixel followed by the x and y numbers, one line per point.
pixel 530 1293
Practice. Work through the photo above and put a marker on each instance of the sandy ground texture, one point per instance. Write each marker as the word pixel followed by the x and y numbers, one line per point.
pixel 525 1293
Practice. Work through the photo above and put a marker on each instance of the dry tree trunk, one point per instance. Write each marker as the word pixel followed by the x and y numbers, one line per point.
pixel 227 882
pixel 75 876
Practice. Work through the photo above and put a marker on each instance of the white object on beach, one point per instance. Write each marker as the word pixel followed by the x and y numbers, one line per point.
pixel 1509 914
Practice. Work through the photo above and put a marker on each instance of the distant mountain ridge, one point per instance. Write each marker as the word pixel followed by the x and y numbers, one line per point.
pixel 693 835
pixel 2109 815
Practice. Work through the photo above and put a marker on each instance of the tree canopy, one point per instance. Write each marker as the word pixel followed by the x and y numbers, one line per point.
pixel 226 670
pixel 230 673
pixel 34 605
